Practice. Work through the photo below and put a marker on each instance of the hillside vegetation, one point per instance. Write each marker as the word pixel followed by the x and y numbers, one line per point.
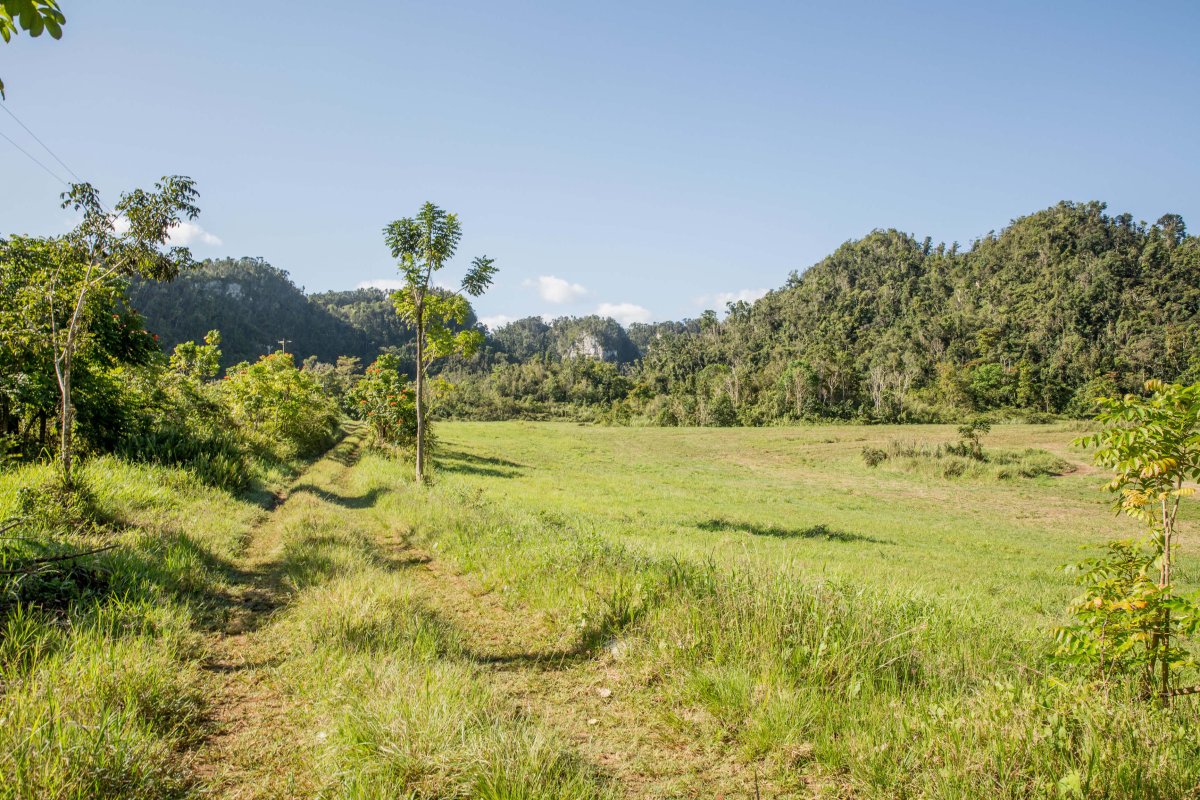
pixel 255 305
pixel 1062 306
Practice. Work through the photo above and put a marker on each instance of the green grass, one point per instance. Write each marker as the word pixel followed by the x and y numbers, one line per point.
pixel 886 631
pixel 101 685
pixel 758 602
pixel 762 496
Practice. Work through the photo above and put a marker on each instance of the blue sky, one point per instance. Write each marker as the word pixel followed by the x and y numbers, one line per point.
pixel 645 159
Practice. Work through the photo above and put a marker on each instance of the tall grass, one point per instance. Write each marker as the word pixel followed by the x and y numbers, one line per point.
pixel 955 460
pixel 101 688
pixel 389 700
pixel 863 690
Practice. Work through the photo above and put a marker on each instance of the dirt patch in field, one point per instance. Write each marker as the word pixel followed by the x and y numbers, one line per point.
pixel 250 718
pixel 588 697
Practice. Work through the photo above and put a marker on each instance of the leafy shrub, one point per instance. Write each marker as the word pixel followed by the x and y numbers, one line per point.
pixel 874 456
pixel 183 419
pixel 1129 621
pixel 216 458
pixel 970 439
pixel 385 401
pixel 284 408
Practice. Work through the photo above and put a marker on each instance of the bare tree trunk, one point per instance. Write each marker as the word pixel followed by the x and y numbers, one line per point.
pixel 1165 583
pixel 66 443
pixel 62 371
pixel 420 325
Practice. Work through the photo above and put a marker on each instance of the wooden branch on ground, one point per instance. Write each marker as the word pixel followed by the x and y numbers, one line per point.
pixel 34 563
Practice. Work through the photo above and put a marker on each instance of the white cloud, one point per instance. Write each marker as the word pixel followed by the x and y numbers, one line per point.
pixel 556 290
pixel 721 299
pixel 624 313
pixel 496 321
pixel 186 233
pixel 182 235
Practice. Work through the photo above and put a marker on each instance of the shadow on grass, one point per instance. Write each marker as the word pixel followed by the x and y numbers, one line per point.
pixel 397 563
pixel 615 615
pixel 459 455
pixel 812 532
pixel 547 660
pixel 181 566
pixel 361 501
pixel 468 464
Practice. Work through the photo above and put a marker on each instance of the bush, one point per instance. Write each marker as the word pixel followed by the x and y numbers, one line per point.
pixel 874 456
pixel 384 400
pixel 964 459
pixel 282 407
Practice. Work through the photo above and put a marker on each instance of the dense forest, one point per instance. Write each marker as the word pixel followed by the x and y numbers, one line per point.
pixel 255 305
pixel 1062 306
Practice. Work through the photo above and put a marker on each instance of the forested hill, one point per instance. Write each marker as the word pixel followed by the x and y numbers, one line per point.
pixel 254 305
pixel 1060 305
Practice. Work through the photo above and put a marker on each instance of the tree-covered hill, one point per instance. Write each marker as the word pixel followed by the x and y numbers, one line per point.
pixel 1060 305
pixel 254 305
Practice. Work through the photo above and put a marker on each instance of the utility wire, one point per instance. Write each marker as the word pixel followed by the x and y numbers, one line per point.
pixel 28 155
pixel 45 146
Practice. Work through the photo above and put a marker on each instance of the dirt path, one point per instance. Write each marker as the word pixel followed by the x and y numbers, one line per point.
pixel 243 699
pixel 589 698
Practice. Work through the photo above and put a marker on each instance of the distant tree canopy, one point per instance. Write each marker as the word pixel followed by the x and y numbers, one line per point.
pixel 255 305
pixel 1061 307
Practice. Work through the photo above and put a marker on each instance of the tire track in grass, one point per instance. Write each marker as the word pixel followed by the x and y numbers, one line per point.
pixel 244 703
pixel 587 697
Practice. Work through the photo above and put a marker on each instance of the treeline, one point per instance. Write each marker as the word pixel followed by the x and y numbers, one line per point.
pixel 256 305
pixel 129 397
pixel 1061 307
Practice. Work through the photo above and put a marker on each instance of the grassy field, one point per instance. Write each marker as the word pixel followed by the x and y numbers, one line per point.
pixel 586 612
pixel 803 497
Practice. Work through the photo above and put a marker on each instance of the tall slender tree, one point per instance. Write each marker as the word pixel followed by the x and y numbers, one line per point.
pixel 423 245
pixel 108 247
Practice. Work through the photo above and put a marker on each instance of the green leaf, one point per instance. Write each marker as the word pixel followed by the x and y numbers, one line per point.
pixel 27 15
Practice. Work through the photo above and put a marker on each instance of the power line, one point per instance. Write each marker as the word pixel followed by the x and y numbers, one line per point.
pixel 27 154
pixel 45 146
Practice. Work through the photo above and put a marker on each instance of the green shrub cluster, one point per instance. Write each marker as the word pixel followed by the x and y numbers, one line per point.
pixel 965 459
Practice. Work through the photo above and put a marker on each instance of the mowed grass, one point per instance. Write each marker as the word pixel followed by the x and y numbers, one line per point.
pixel 802 496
